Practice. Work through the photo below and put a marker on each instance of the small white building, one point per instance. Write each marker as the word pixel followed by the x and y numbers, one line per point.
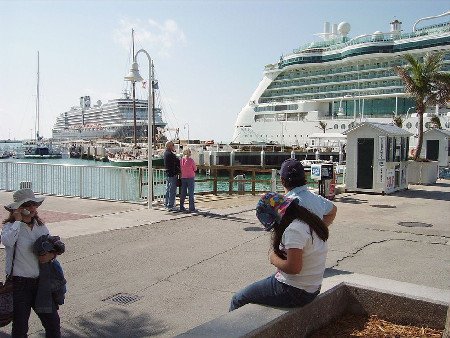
pixel 436 146
pixel 377 158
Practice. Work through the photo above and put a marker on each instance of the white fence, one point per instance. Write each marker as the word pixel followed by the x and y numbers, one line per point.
pixel 96 182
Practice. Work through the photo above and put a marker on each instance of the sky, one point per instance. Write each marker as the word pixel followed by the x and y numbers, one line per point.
pixel 209 55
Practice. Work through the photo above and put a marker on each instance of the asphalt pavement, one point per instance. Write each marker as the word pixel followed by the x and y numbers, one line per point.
pixel 135 272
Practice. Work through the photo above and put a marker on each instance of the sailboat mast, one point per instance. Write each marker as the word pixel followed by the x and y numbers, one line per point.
pixel 36 123
pixel 133 84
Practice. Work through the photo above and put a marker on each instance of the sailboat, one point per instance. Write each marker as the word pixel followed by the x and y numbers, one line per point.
pixel 37 148
pixel 136 156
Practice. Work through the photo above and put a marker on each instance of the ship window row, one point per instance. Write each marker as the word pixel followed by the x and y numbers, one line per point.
pixel 385 66
pixel 324 95
pixel 280 117
pixel 394 86
pixel 355 107
pixel 277 107
pixel 336 79
pixel 298 74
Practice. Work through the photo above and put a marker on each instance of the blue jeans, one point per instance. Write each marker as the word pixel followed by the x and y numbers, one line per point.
pixel 271 292
pixel 187 186
pixel 24 296
pixel 171 191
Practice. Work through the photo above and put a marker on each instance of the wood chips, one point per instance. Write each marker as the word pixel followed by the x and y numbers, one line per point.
pixel 371 326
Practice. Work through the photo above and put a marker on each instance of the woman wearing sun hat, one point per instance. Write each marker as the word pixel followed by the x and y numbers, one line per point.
pixel 298 251
pixel 20 231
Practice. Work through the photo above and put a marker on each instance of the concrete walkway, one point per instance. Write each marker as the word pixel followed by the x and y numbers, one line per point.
pixel 182 269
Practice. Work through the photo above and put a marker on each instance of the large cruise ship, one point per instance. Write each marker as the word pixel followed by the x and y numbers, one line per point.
pixel 333 84
pixel 113 119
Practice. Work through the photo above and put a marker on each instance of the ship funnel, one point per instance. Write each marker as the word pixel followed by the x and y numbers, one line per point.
pixel 396 26
pixel 334 29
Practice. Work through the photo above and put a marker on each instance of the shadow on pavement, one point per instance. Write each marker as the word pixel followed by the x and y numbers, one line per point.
pixel 330 272
pixel 223 217
pixel 116 323
pixel 425 194
pixel 350 200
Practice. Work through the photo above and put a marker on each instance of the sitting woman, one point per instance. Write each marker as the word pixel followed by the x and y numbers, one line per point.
pixel 299 250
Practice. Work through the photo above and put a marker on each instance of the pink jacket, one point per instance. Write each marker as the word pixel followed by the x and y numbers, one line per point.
pixel 188 167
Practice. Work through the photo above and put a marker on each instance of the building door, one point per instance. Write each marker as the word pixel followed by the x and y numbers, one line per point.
pixel 432 150
pixel 364 178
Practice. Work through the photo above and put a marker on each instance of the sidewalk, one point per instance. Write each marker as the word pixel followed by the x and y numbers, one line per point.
pixel 184 268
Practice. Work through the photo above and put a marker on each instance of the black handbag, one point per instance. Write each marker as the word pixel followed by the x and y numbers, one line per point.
pixel 6 302
pixel 6 297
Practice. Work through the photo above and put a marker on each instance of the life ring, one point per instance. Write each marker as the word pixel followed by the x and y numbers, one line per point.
pixel 412 152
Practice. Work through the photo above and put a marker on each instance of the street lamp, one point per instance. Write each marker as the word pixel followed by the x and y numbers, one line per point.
pixel 187 124
pixel 341 110
pixel 407 112
pixel 134 76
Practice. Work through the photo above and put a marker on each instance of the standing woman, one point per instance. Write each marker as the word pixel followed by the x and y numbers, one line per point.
pixel 19 233
pixel 188 169
pixel 298 251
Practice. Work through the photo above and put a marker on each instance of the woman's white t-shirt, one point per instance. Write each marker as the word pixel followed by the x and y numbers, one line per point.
pixel 298 235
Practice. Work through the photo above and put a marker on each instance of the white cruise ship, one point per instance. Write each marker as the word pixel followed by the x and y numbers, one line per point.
pixel 113 119
pixel 341 81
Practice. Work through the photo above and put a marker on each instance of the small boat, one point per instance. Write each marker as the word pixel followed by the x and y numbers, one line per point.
pixel 157 161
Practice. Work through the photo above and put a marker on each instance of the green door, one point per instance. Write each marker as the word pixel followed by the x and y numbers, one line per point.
pixel 364 178
pixel 432 150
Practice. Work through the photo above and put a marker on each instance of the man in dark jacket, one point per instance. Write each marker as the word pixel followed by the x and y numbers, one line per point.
pixel 172 165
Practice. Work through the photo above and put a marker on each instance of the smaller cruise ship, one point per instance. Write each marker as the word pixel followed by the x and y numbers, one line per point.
pixel 113 120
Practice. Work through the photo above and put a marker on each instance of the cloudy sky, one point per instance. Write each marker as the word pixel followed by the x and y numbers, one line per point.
pixel 209 55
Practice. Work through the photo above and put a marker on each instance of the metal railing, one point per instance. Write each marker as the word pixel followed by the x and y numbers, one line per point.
pixel 96 182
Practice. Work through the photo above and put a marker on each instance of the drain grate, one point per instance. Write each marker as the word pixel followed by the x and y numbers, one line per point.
pixel 415 224
pixel 122 299
pixel 384 206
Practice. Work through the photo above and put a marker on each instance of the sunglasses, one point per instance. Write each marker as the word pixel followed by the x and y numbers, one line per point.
pixel 30 204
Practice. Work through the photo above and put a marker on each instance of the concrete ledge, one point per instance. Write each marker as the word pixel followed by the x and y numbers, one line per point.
pixel 403 303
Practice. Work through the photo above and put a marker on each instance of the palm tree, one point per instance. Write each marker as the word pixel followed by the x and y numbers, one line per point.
pixel 322 126
pixel 426 84
pixel 398 121
pixel 435 121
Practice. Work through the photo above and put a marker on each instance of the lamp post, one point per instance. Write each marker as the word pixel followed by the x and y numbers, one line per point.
pixel 134 76
pixel 341 110
pixel 187 124
pixel 407 112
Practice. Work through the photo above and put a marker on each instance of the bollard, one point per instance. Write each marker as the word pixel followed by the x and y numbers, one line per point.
pixel 232 156
pixel 241 183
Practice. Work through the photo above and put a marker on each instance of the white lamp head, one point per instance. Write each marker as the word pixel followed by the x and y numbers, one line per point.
pixel 134 75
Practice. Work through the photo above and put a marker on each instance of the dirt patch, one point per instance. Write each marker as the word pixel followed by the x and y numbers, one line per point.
pixel 372 326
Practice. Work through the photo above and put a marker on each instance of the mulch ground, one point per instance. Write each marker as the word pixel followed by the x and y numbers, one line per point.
pixel 372 326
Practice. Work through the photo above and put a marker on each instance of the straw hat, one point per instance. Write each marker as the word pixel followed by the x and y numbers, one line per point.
pixel 22 196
